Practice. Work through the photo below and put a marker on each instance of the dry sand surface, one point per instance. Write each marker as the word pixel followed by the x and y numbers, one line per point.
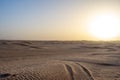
pixel 59 60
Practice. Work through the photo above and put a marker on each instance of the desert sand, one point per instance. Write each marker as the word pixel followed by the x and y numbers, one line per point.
pixel 59 60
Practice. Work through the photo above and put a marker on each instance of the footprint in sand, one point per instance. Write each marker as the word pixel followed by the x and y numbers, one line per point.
pixel 5 75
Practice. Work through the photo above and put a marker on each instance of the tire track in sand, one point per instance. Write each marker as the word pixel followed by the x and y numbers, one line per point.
pixel 69 70
pixel 71 73
pixel 86 71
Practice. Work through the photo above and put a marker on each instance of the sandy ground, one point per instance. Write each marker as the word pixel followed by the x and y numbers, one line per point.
pixel 59 60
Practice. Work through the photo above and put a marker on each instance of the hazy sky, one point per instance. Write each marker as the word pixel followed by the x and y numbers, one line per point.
pixel 50 19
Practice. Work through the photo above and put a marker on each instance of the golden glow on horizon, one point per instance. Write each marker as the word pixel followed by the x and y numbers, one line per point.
pixel 104 26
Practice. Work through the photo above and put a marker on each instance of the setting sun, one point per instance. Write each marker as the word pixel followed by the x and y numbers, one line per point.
pixel 104 26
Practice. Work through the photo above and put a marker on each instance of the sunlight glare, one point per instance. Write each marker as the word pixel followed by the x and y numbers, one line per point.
pixel 104 26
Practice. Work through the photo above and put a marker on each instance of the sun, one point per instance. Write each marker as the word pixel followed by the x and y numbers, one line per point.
pixel 104 26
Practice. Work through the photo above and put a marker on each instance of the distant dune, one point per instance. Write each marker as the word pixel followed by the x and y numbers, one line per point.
pixel 59 60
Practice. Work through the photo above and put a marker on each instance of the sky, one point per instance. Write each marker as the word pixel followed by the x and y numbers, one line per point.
pixel 50 19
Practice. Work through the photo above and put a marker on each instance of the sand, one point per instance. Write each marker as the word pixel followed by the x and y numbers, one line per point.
pixel 59 60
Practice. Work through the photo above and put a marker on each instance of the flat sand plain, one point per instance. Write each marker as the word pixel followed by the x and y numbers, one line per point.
pixel 59 60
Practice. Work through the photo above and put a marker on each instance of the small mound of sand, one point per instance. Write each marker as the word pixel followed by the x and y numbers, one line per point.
pixel 59 70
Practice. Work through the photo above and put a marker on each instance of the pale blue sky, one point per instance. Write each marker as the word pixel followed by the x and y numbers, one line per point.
pixel 43 19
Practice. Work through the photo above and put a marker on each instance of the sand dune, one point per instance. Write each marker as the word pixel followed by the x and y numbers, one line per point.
pixel 59 60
